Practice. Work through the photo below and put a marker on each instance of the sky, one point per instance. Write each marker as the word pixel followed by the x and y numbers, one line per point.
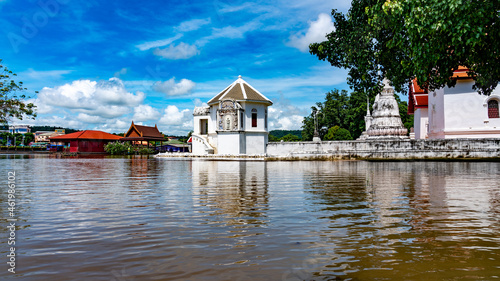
pixel 100 65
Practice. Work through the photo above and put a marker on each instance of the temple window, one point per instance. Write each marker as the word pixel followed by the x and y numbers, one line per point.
pixel 254 117
pixel 265 119
pixel 493 109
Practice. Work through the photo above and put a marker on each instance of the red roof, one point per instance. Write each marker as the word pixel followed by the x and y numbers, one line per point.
pixel 88 135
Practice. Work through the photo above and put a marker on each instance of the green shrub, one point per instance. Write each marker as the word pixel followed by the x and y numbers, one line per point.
pixel 117 148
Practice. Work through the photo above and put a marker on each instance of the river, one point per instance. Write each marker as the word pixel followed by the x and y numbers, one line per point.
pixel 139 218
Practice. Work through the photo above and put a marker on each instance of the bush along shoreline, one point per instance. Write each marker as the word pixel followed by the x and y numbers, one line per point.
pixel 120 148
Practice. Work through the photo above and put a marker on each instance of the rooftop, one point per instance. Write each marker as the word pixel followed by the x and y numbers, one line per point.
pixel 240 90
pixel 87 134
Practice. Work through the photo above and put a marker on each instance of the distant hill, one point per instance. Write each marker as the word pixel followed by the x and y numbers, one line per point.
pixel 281 133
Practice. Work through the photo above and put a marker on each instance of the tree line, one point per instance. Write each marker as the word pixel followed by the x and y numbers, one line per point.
pixel 341 116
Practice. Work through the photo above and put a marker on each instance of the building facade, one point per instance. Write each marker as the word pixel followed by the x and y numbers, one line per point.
pixel 234 122
pixel 458 112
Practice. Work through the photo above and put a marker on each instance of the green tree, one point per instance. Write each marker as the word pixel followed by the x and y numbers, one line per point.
pixel 290 137
pixel 337 133
pixel 272 138
pixel 407 39
pixel 333 111
pixel 347 112
pixel 12 104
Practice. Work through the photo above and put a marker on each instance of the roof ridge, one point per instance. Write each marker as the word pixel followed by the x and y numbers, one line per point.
pixel 243 88
pixel 257 91
pixel 228 89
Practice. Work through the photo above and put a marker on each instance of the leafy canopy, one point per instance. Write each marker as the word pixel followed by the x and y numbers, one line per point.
pixel 347 111
pixel 12 103
pixel 423 39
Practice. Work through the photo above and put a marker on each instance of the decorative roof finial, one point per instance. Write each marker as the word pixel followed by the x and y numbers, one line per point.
pixel 239 76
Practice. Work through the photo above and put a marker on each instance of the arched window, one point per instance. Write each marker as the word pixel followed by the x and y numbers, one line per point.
pixel 254 117
pixel 493 109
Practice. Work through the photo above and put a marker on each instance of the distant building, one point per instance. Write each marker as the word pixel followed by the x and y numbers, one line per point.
pixel 458 112
pixel 44 136
pixel 87 141
pixel 19 129
pixel 234 122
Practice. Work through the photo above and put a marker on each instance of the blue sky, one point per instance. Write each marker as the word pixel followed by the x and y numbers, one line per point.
pixel 101 64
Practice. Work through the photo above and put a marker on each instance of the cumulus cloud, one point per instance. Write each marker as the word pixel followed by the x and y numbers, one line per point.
pixel 316 33
pixel 193 24
pixel 171 88
pixel 172 116
pixel 106 99
pixel 177 52
pixel 145 112
pixel 285 116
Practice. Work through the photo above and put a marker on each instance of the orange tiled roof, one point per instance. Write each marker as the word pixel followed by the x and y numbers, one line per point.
pixel 461 72
pixel 88 134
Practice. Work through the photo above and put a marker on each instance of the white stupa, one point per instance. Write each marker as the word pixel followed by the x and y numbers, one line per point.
pixel 385 121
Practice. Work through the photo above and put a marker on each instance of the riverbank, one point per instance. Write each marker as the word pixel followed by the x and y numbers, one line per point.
pixel 379 150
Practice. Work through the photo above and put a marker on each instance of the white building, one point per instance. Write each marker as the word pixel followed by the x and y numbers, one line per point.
pixel 458 112
pixel 234 122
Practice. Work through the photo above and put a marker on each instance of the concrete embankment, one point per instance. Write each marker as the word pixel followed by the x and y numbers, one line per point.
pixel 445 149
pixel 376 150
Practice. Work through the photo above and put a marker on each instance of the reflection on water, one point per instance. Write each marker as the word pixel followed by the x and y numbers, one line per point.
pixel 156 219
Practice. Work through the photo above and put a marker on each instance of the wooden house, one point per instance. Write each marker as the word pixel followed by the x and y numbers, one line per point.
pixel 143 135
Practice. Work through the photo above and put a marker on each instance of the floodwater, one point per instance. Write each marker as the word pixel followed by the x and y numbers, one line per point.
pixel 159 219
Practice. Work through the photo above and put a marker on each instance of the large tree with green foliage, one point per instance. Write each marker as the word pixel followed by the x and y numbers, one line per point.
pixel 423 39
pixel 12 99
pixel 347 111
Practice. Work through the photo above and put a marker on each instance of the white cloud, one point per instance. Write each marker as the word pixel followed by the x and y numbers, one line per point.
pixel 44 75
pixel 117 125
pixel 316 33
pixel 145 112
pixel 89 118
pixel 231 32
pixel 285 116
pixel 121 72
pixel 177 52
pixel 157 43
pixel 193 24
pixel 197 102
pixel 171 88
pixel 175 117
pixel 107 99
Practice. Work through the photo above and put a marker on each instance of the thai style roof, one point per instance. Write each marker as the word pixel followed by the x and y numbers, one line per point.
pixel 240 90
pixel 86 135
pixel 140 132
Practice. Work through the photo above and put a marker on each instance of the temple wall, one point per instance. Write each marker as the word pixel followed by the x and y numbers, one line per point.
pixel 386 149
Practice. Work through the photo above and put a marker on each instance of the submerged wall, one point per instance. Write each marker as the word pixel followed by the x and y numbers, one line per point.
pixel 386 149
